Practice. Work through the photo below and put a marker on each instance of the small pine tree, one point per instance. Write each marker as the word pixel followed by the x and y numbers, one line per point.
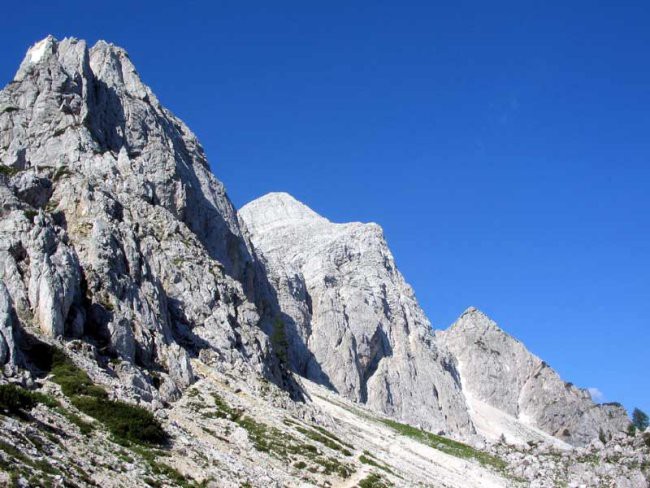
pixel 601 436
pixel 640 420
pixel 280 342
pixel 631 430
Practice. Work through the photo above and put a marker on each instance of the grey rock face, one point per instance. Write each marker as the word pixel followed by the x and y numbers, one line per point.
pixel 497 369
pixel 351 320
pixel 113 227
pixel 114 233
pixel 8 348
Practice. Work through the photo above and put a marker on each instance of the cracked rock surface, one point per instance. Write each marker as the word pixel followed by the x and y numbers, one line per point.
pixel 352 321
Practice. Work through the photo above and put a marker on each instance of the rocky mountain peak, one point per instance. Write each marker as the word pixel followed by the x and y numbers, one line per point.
pixel 474 319
pixel 70 54
pixel 108 62
pixel 275 210
pixel 111 65
pixel 119 247
pixel 41 49
pixel 109 211
pixel 352 321
pixel 498 372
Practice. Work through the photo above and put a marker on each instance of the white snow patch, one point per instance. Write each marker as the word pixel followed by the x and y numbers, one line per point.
pixel 37 51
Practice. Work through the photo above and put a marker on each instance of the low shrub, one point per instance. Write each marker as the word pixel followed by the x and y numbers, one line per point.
pixel 84 427
pixel 446 445
pixel 72 379
pixel 373 481
pixel 325 440
pixel 125 421
pixel 7 170
pixel 15 399
pixel 129 423
pixel 367 458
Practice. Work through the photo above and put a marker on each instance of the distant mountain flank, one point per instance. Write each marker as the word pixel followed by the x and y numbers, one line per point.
pixel 527 389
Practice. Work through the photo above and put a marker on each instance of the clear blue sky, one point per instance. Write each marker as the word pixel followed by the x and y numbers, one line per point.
pixel 503 146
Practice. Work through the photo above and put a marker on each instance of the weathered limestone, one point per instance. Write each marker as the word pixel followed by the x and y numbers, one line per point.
pixel 115 233
pixel 352 321
pixel 113 227
pixel 497 369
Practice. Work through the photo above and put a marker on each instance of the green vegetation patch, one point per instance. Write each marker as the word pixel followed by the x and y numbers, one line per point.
pixel 277 443
pixel 325 440
pixel 125 421
pixel 72 379
pixel 84 427
pixel 39 465
pixel 156 468
pixel 16 400
pixel 8 170
pixel 446 445
pixel 280 342
pixel 374 480
pixel 369 459
pixel 61 172
pixel 324 431
pixel 321 435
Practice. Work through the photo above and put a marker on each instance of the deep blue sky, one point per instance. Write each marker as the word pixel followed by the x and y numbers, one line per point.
pixel 503 146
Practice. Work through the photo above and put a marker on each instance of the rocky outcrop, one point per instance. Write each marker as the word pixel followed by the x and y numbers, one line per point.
pixel 498 370
pixel 351 321
pixel 8 347
pixel 113 228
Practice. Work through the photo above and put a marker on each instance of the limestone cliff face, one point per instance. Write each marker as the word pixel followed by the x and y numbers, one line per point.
pixel 497 369
pixel 352 321
pixel 113 228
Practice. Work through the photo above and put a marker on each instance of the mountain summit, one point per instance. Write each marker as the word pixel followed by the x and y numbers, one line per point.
pixel 353 322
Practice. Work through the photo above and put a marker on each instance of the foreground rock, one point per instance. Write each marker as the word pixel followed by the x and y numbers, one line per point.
pixel 225 432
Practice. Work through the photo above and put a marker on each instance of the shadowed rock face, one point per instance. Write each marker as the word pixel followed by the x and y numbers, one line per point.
pixel 113 228
pixel 497 369
pixel 352 321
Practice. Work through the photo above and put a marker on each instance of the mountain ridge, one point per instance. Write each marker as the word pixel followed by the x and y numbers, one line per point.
pixel 301 250
pixel 242 335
